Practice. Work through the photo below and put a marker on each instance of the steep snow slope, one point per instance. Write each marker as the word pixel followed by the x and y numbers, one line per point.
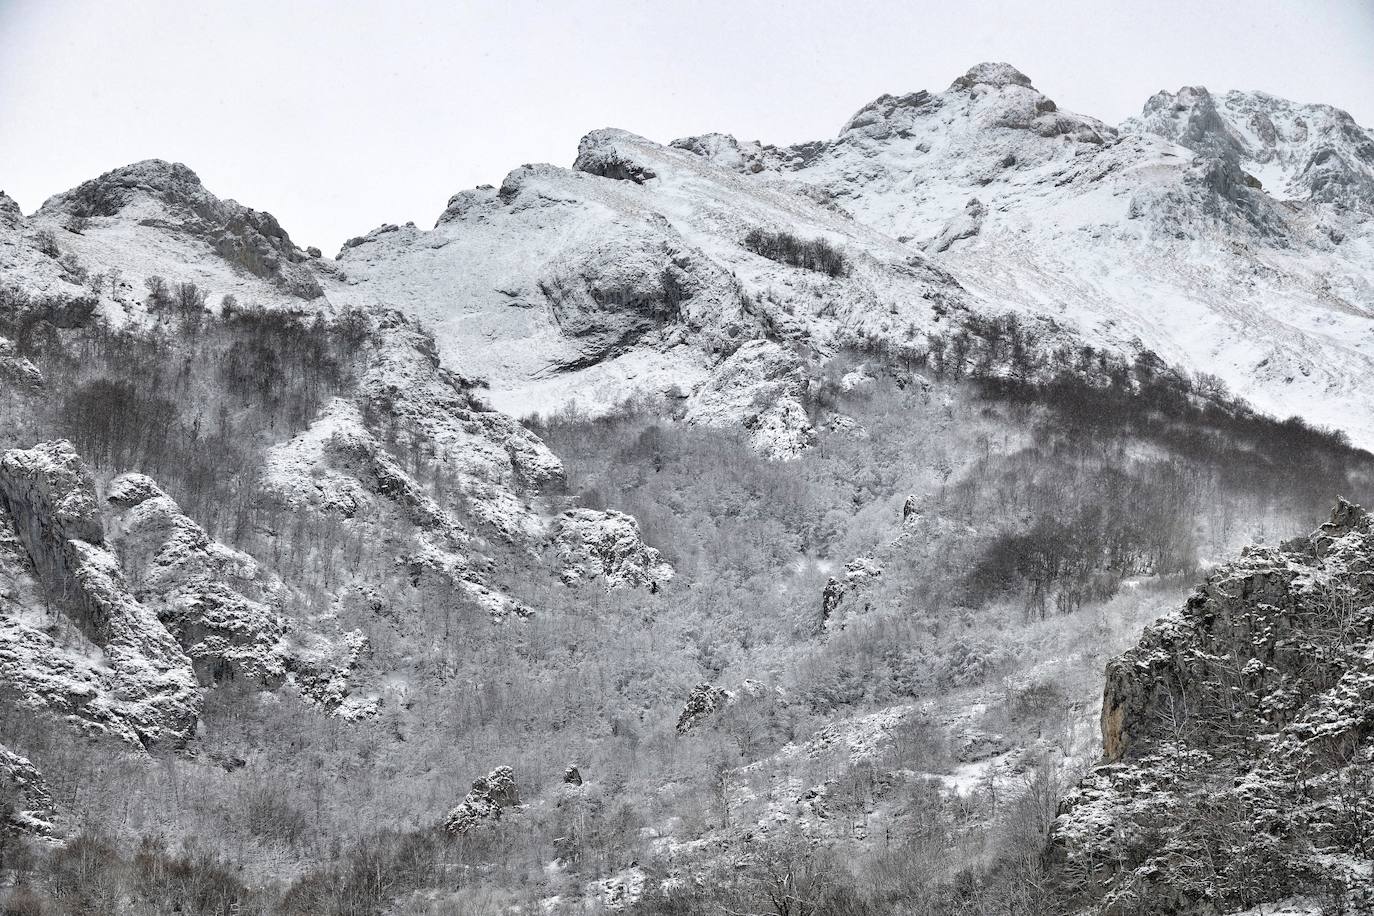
pixel 1233 237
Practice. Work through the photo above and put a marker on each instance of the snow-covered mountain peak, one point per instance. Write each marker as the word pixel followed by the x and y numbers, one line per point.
pixel 150 186
pixel 169 197
pixel 991 73
pixel 1226 232
pixel 1297 151
pixel 989 97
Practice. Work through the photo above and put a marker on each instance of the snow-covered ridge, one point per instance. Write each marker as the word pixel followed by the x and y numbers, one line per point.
pixel 1229 233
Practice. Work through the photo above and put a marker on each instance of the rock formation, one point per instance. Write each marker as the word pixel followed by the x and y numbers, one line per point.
pixel 483 805
pixel 49 496
pixel 26 805
pixel 703 703
pixel 605 546
pixel 1237 741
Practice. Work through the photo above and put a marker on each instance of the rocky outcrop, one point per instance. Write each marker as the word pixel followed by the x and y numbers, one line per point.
pixel 1238 741
pixel 964 225
pixel 217 601
pixel 611 294
pixel 1313 152
pixel 337 468
pixel 619 891
pixel 50 497
pixel 482 806
pixel 11 217
pixel 858 578
pixel 156 608
pixel 16 370
pixel 725 151
pixel 169 195
pixel 760 386
pixel 26 805
pixel 605 546
pixel 703 703
pixel 598 154
pixel 485 469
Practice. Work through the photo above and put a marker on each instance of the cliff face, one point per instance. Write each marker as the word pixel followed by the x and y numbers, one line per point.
pixel 1237 741
pixel 145 607
pixel 49 496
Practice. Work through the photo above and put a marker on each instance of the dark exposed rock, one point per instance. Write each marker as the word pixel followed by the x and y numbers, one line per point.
pixel 483 805
pixel 703 702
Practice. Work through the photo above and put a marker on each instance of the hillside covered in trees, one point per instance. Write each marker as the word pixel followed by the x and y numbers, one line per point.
pixel 670 534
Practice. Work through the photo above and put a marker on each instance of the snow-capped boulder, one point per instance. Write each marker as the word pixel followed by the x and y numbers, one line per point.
pixel 605 546
pixel 482 806
pixel 599 154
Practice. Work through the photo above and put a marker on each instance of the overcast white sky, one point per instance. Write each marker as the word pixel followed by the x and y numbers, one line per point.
pixel 339 116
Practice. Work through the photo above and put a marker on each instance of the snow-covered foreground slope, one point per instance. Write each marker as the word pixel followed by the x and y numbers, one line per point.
pixel 1234 235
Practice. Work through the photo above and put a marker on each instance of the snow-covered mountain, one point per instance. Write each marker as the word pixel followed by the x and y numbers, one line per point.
pixel 1232 235
pixel 287 523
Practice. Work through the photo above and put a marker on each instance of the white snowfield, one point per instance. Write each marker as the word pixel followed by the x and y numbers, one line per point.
pixel 1232 234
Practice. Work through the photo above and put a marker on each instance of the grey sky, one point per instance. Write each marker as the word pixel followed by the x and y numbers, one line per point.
pixel 338 116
